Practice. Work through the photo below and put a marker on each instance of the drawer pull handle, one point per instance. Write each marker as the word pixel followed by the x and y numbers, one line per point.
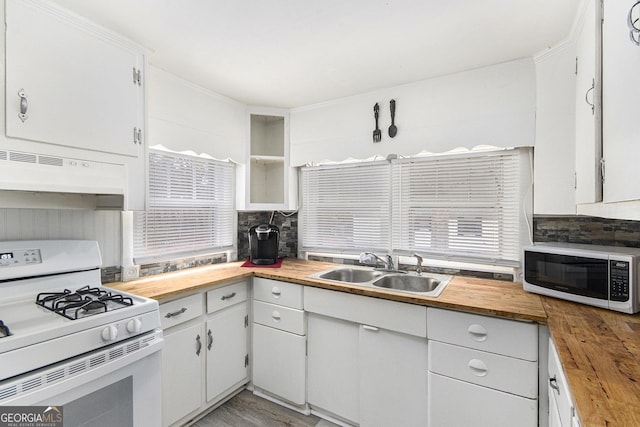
pixel 175 313
pixel 370 328
pixel 228 296
pixel 553 383
pixel 198 345
pixel 478 367
pixel 478 332
pixel 209 339
pixel 275 291
pixel 276 315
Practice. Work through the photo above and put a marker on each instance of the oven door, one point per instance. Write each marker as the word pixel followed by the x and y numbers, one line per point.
pixel 578 278
pixel 116 386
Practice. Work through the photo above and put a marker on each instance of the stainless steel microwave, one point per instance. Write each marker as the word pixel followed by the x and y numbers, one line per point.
pixel 602 276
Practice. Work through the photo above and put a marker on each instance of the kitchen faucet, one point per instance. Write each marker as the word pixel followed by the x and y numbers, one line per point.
pixel 419 262
pixel 370 257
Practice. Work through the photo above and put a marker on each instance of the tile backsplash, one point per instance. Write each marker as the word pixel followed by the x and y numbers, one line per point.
pixel 286 222
pixel 586 230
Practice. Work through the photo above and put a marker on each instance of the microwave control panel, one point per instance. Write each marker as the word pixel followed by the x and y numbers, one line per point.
pixel 619 280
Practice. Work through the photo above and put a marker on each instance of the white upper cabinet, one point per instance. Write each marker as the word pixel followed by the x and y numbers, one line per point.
pixel 621 91
pixel 75 91
pixel 588 105
pixel 271 183
pixel 77 86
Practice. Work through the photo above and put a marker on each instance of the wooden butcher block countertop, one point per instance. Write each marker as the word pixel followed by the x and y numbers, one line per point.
pixel 599 349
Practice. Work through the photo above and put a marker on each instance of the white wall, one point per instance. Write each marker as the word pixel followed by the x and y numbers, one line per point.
pixel 493 105
pixel 184 116
pixel 45 224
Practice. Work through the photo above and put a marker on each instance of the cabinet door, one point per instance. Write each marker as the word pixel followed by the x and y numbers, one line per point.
pixel 181 387
pixel 457 403
pixel 588 111
pixel 226 343
pixel 393 378
pixel 332 360
pixel 78 84
pixel 279 363
pixel 621 91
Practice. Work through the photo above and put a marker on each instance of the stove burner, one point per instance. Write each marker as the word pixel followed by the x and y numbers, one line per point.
pixel 83 302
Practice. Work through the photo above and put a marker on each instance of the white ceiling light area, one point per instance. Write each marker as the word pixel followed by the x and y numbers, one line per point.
pixel 290 53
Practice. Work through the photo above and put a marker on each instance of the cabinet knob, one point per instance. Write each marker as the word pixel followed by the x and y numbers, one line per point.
pixel 276 291
pixel 553 383
pixel 275 315
pixel 209 339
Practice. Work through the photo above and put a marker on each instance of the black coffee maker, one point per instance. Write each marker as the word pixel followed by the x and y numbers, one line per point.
pixel 263 244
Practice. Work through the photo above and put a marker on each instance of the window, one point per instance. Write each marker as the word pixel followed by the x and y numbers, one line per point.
pixel 346 208
pixel 190 210
pixel 463 207
pixel 460 206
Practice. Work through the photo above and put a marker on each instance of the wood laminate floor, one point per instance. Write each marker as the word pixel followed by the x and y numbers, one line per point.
pixel 248 410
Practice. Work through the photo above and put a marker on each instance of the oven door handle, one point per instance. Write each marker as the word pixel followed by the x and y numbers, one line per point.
pixel 198 345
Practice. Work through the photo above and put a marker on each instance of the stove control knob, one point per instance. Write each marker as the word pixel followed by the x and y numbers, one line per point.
pixel 110 333
pixel 134 326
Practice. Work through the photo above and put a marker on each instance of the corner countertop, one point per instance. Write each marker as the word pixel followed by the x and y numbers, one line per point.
pixel 599 349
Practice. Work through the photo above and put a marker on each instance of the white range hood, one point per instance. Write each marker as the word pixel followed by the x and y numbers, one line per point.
pixel 45 181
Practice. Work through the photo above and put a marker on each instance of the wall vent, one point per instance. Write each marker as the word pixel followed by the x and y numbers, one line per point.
pixel 3 155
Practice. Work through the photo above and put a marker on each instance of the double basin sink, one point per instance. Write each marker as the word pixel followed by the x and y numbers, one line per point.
pixel 429 284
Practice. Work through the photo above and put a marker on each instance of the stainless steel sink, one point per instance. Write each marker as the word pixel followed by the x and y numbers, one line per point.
pixel 350 275
pixel 407 282
pixel 427 284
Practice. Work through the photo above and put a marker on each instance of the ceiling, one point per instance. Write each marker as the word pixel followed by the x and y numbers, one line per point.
pixel 289 53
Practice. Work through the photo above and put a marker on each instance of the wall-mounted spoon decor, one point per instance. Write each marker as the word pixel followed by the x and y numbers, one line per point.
pixel 393 130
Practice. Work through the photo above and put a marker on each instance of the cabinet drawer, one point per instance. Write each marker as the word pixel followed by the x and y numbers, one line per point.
pixel 458 403
pixel 175 312
pixel 276 292
pixel 507 337
pixel 491 370
pixel 226 296
pixel 392 315
pixel 279 317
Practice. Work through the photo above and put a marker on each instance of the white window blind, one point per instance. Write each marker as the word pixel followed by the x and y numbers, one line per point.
pixel 346 208
pixel 461 207
pixel 191 207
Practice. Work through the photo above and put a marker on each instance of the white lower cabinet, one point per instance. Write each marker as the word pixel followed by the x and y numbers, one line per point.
pixel 181 388
pixel 279 341
pixel 332 372
pixel 562 411
pixel 483 371
pixel 205 354
pixel 227 353
pixel 393 383
pixel 367 359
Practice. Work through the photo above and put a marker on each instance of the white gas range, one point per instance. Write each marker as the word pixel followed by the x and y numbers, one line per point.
pixel 66 340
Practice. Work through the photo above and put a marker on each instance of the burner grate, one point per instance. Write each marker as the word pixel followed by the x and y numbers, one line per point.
pixel 82 302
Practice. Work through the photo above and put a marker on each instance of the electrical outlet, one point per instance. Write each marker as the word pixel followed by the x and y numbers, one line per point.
pixel 130 273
